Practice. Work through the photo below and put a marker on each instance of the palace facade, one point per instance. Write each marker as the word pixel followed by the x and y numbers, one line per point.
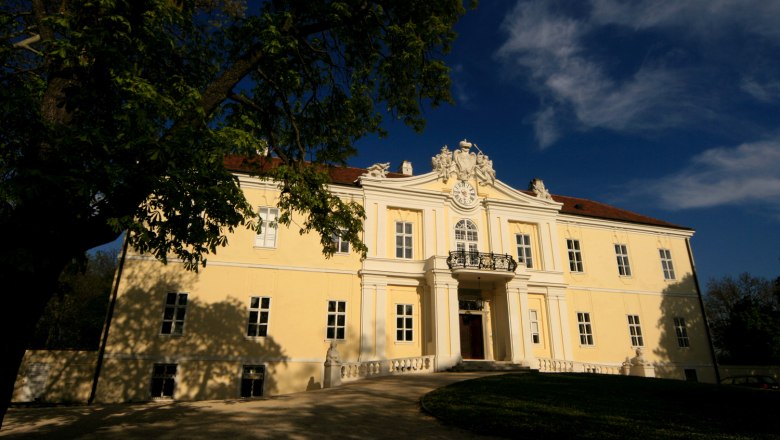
pixel 460 266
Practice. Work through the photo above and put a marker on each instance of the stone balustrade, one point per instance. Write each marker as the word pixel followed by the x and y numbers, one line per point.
pixel 562 366
pixel 359 370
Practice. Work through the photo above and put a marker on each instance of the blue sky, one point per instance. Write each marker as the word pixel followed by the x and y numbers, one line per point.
pixel 666 108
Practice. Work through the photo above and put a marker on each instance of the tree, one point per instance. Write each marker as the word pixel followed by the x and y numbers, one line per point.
pixel 74 317
pixel 117 115
pixel 744 316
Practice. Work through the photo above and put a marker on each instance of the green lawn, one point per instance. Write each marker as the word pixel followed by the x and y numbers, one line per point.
pixel 593 406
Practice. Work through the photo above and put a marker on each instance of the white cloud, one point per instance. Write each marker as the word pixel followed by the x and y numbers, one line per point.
pixel 705 18
pixel 746 174
pixel 459 85
pixel 766 91
pixel 545 127
pixel 554 51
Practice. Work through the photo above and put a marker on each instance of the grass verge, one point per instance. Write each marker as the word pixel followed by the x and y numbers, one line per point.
pixel 592 406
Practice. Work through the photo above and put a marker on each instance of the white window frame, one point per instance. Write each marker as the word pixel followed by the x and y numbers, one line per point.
pixel 635 331
pixel 269 232
pixel 174 313
pixel 681 331
pixel 623 263
pixel 260 306
pixel 404 240
pixel 336 323
pixel 340 246
pixel 404 323
pixel 574 250
pixel 524 253
pixel 533 320
pixel 666 264
pixel 466 236
pixel 585 327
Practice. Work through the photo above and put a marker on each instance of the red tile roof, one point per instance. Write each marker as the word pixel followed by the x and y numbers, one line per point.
pixel 589 208
pixel 571 205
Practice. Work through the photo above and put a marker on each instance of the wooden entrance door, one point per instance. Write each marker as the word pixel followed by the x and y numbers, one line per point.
pixel 472 343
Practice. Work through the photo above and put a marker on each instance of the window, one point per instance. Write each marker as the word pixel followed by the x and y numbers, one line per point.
pixel 624 268
pixel 259 309
pixel 681 330
pixel 267 235
pixel 340 246
pixel 403 240
pixel 337 319
pixel 252 380
pixel 466 236
pixel 575 256
pixel 163 381
pixel 173 316
pixel 524 249
pixel 586 332
pixel 466 241
pixel 690 375
pixel 404 323
pixel 534 326
pixel 635 329
pixel 666 263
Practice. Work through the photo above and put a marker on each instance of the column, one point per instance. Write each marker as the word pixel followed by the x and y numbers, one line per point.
pixel 443 291
pixel 520 346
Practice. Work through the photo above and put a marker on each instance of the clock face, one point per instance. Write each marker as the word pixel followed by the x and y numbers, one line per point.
pixel 464 194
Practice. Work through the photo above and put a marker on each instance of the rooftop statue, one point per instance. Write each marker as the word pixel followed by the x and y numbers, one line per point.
pixel 378 170
pixel 538 188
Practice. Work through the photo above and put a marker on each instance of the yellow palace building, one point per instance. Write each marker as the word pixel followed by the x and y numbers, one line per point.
pixel 460 266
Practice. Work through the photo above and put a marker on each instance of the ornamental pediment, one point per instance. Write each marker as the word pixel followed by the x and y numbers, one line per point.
pixel 464 164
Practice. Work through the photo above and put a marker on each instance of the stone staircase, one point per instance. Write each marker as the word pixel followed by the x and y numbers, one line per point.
pixel 502 366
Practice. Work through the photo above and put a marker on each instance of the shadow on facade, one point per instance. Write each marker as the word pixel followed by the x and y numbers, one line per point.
pixel 62 376
pixel 210 354
pixel 676 352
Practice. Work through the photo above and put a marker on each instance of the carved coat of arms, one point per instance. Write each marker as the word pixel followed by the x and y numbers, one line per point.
pixel 464 164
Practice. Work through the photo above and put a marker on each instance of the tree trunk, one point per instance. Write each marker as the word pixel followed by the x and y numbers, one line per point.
pixel 26 297
pixel 36 246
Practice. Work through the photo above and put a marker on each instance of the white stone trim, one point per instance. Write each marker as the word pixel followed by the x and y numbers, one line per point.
pixel 217 263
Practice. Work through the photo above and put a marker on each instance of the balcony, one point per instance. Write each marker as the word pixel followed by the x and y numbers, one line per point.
pixel 481 261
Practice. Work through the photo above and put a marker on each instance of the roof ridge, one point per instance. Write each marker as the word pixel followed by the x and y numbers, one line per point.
pixel 350 175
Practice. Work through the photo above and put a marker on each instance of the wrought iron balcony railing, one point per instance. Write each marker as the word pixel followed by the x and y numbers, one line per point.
pixel 481 260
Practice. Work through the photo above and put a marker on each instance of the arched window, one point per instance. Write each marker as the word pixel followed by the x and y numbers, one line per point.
pixel 466 236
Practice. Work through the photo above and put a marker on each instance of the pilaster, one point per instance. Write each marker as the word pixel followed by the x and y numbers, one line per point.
pixel 521 348
pixel 557 312
pixel 373 322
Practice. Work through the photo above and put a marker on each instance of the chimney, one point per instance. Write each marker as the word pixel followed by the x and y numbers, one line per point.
pixel 406 168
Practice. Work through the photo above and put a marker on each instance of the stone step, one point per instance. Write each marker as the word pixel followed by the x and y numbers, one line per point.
pixel 472 365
